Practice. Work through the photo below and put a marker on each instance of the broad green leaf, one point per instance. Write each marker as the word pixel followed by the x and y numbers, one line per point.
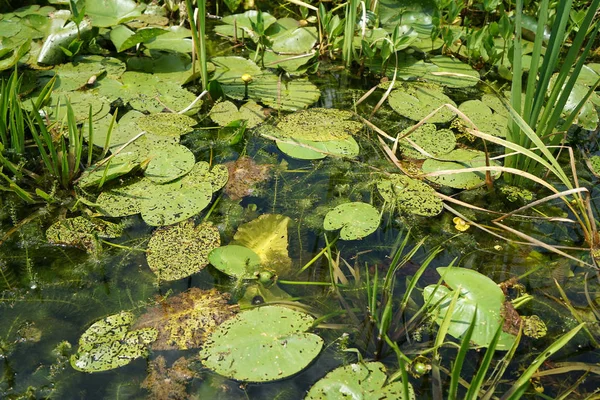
pixel 244 24
pixel 415 13
pixel 262 345
pixel 265 86
pixel 166 124
pixel 267 236
pixel 482 116
pixel 232 5
pixel 410 195
pixel 417 101
pixel 319 125
pixel 356 220
pixel 181 250
pixel 177 38
pixel 478 294
pixel 121 164
pixel 75 75
pixel 107 13
pixel 184 321
pixel 429 138
pixel 226 112
pixel 109 344
pixel 171 202
pixel 82 233
pixel 358 381
pixel 295 41
pixel 459 159
pixel 51 52
pixel 309 150
pixel 125 200
pixel 124 38
pixel 169 162
pixel 237 261
pixel 18 53
pixel 455 66
pixel 172 67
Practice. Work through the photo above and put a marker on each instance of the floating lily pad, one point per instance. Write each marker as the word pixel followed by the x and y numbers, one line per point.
pixel 262 345
pixel 176 39
pixel 217 176
pixel 184 321
pixel 295 41
pixel 171 202
pixel 169 162
pixel 166 124
pixel 243 22
pixel 588 116
pixel 459 159
pixel 75 75
pixel 309 150
pixel 226 112
pixel 119 165
pixel 358 381
pixel 265 86
pixel 124 38
pixel 109 344
pixel 168 66
pixel 356 220
pixel 453 66
pixel 237 261
pixel 595 165
pixel 429 138
pixel 181 250
pixel 267 236
pixel 107 13
pixel 82 233
pixel 478 295
pixel 410 195
pixel 417 101
pixel 80 103
pixel 482 116
pixel 125 200
pixel 319 125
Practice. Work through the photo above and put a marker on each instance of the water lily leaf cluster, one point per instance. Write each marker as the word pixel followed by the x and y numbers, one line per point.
pixel 262 345
pixel 416 101
pixel 316 133
pixel 456 160
pixel 435 142
pixel 478 295
pixel 168 203
pixel 264 87
pixel 185 321
pixel 356 220
pixel 290 43
pixel 181 250
pixel 109 343
pixel 367 380
pixel 410 195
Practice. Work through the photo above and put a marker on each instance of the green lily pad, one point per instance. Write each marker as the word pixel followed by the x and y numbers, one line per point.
pixel 319 125
pixel 410 195
pixel 356 220
pixel 482 116
pixel 217 176
pixel 17 53
pixel 417 101
pixel 309 150
pixel 262 345
pixel 124 38
pixel 265 86
pixel 358 381
pixel 595 165
pixel 60 36
pixel 289 63
pixel 478 295
pixel 119 165
pixel 588 116
pixel 128 127
pixel 226 112
pixel 107 13
pixel 459 159
pixel 80 103
pixel 295 41
pixel 177 39
pixel 429 138
pixel 244 22
pixel 109 344
pixel 169 66
pixel 166 124
pixel 171 202
pixel 237 261
pixel 125 200
pixel 455 66
pixel 82 233
pixel 75 75
pixel 178 251
pixel 169 162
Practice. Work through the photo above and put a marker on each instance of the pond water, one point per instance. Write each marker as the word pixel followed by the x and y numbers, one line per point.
pixel 362 294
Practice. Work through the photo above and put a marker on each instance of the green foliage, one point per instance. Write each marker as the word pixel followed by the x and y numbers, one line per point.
pixel 262 345
pixel 356 220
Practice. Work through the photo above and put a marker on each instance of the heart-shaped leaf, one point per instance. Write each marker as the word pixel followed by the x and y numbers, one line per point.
pixel 356 220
